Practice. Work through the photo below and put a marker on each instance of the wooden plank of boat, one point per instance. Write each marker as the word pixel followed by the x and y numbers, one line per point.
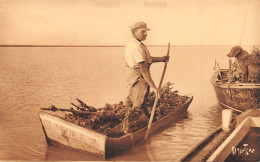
pixel 200 150
pixel 224 149
pixel 236 96
pixel 63 133
pixel 213 147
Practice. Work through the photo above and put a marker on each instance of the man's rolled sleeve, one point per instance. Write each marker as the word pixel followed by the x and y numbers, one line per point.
pixel 138 55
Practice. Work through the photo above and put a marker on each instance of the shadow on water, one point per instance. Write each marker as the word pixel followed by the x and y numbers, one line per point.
pixel 59 153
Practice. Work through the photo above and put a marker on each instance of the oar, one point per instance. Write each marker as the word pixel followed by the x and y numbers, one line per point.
pixel 157 97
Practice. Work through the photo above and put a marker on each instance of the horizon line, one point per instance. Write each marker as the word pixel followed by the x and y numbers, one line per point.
pixel 16 45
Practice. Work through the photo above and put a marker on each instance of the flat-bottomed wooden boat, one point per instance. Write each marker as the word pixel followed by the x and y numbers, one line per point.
pixel 61 132
pixel 236 96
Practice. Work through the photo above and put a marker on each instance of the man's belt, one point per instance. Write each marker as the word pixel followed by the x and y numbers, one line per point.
pixel 132 67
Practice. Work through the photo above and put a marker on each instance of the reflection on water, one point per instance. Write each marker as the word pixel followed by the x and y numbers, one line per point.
pixel 54 153
pixel 31 78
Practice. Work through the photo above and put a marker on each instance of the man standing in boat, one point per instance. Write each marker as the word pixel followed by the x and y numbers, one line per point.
pixel 138 62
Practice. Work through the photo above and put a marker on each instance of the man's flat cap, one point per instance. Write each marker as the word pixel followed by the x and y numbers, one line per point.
pixel 138 25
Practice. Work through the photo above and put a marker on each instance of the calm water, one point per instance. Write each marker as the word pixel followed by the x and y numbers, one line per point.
pixel 35 77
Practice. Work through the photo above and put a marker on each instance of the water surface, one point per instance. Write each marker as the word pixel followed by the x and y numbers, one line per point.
pixel 35 77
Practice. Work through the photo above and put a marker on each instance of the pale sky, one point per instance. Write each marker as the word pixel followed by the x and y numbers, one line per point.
pixel 106 22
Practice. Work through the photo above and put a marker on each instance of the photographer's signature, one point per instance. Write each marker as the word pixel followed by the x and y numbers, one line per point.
pixel 244 151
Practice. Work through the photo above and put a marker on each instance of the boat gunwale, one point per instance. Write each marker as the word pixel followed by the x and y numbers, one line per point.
pixel 222 84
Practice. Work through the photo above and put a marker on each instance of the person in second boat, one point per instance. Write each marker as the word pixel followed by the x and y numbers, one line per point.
pixel 138 62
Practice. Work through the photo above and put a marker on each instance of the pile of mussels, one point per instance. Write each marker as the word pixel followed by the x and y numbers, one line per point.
pixel 117 120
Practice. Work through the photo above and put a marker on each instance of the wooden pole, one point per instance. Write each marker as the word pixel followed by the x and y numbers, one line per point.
pixel 218 70
pixel 157 96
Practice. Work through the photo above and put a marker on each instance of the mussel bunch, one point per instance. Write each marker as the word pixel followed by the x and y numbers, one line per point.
pixel 106 119
pixel 135 120
pixel 109 117
pixel 130 121
pixel 256 51
pixel 168 102
pixel 117 120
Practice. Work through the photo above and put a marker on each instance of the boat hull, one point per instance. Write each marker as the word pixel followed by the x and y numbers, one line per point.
pixel 60 132
pixel 219 144
pixel 237 96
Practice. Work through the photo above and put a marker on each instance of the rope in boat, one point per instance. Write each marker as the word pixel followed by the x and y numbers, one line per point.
pixel 230 107
pixel 132 138
pixel 230 92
